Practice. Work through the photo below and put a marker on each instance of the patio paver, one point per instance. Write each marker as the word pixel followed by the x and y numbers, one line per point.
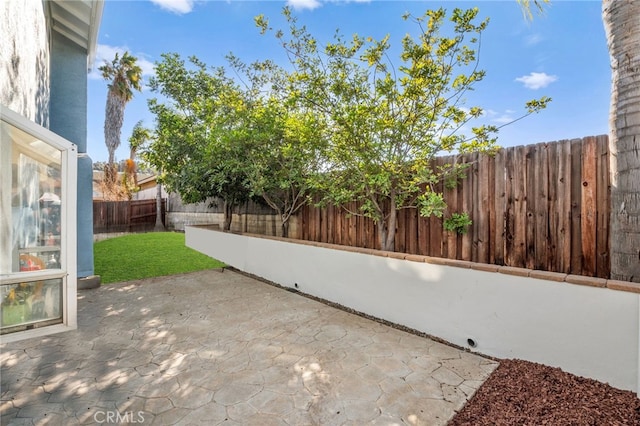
pixel 223 348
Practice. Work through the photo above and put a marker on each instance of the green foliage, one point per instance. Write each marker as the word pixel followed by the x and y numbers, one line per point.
pixel 124 74
pixel 139 136
pixel 458 222
pixel 526 7
pixel 343 121
pixel 138 256
pixel 200 132
pixel 385 122
pixel 216 137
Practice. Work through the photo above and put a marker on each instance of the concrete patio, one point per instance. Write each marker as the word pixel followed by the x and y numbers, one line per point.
pixel 223 348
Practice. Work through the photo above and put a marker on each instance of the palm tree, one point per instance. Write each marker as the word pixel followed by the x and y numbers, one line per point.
pixel 139 136
pixel 622 27
pixel 125 75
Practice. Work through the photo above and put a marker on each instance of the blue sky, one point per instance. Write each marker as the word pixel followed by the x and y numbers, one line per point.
pixel 562 54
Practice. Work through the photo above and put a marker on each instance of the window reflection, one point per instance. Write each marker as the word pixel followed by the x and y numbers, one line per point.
pixel 30 225
pixel 29 302
pixel 36 187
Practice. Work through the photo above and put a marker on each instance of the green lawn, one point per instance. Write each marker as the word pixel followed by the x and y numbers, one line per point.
pixel 152 254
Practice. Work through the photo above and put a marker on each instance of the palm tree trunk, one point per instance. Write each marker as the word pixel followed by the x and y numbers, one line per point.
pixel 113 123
pixel 621 18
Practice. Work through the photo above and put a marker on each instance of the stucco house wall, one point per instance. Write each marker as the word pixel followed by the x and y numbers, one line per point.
pixel 47 49
pixel 24 59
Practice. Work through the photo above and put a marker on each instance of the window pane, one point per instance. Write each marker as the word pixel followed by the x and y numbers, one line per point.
pixel 30 304
pixel 35 198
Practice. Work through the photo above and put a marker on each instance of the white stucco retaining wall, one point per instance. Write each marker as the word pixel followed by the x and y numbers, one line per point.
pixel 588 331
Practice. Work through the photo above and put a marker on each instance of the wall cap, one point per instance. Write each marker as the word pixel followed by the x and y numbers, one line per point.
pixel 483 267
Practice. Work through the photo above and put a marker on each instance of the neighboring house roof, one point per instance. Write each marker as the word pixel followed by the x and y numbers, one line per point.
pixel 151 179
pixel 79 21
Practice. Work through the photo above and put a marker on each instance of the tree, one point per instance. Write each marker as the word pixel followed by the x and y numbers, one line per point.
pixel 139 136
pixel 282 158
pixel 282 140
pixel 124 76
pixel 621 22
pixel 199 133
pixel 386 124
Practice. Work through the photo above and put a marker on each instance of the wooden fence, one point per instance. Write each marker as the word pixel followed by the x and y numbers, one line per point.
pixel 543 206
pixel 125 216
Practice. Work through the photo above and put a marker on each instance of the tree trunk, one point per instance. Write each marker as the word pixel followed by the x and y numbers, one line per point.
pixel 228 215
pixel 285 228
pixel 391 226
pixel 382 234
pixel 621 23
pixel 159 227
pixel 387 227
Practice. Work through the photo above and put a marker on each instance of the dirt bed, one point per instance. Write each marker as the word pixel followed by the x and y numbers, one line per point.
pixel 525 393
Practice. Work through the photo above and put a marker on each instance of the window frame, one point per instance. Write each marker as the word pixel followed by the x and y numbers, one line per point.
pixel 68 227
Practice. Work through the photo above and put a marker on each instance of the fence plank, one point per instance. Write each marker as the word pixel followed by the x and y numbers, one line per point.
pixel 451 197
pixel 351 231
pixel 467 206
pixel 475 206
pixel 520 207
pixel 509 206
pixel 603 205
pixel 553 211
pixel 484 226
pixel 564 235
pixel 340 217
pixel 588 208
pixel 496 205
pixel 436 229
pixel 576 206
pixel 542 258
pixel 530 197
pixel 411 237
pixel 423 235
pixel 401 231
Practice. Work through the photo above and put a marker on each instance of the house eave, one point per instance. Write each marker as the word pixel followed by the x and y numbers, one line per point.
pixel 78 21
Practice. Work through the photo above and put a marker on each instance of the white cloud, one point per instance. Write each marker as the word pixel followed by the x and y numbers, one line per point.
pixel 106 53
pixel 314 4
pixel 499 118
pixel 503 119
pixel 179 7
pixel 537 80
pixel 533 39
pixel 304 4
pixel 147 66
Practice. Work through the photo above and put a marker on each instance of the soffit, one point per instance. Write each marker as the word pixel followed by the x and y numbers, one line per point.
pixel 77 20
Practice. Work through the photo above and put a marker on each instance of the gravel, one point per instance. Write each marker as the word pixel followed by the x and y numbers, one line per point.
pixel 526 393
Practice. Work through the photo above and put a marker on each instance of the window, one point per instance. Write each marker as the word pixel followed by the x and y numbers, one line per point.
pixel 37 228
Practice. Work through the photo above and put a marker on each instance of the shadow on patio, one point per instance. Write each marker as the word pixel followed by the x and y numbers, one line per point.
pixel 224 348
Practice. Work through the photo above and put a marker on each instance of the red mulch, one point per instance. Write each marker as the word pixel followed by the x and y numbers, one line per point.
pixel 525 393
